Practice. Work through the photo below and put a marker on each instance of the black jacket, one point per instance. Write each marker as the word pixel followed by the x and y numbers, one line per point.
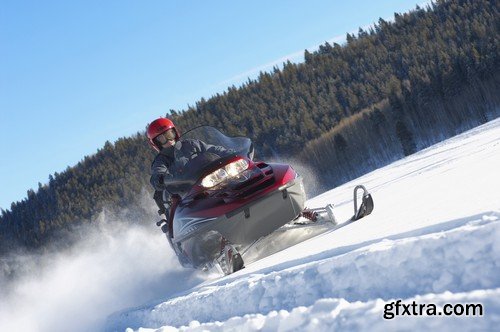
pixel 169 161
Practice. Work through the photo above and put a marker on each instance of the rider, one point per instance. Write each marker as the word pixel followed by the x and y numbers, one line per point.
pixel 172 155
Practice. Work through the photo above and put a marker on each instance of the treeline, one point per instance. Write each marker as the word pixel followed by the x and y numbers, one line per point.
pixel 426 53
pixel 388 131
pixel 111 179
pixel 389 91
pixel 445 80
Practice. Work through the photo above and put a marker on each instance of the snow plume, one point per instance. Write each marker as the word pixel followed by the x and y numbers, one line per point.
pixel 312 181
pixel 117 264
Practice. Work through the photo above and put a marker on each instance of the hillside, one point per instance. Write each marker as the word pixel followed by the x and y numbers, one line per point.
pixel 348 109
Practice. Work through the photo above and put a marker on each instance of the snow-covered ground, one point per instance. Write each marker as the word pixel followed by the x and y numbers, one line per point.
pixel 433 239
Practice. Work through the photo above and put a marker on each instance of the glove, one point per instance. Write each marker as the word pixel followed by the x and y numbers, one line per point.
pixel 161 181
pixel 164 211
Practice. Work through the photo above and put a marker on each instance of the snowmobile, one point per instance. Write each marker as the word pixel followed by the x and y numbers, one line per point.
pixel 222 205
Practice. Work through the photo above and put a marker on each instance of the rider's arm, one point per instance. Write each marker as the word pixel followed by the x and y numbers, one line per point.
pixel 159 173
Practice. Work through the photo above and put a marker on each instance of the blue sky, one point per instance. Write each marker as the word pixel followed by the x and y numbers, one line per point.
pixel 74 74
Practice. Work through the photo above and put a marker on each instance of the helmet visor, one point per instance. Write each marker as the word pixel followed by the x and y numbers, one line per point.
pixel 166 136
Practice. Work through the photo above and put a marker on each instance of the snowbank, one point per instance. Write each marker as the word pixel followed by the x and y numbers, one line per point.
pixel 432 263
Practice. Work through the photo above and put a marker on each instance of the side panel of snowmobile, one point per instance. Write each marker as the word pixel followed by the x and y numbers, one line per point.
pixel 243 221
pixel 262 217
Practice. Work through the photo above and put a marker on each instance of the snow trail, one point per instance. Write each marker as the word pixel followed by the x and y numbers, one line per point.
pixel 399 268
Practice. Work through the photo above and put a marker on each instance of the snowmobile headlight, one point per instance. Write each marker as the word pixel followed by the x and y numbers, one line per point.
pixel 214 178
pixel 236 167
pixel 223 173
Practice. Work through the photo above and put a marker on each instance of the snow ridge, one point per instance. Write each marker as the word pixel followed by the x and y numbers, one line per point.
pixel 341 315
pixel 460 259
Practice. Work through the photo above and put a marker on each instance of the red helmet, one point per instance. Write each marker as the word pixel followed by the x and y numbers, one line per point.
pixel 158 127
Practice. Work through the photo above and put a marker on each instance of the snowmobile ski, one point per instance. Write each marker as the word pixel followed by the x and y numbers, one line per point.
pixel 317 217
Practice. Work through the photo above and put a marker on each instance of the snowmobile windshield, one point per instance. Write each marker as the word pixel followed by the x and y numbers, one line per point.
pixel 212 136
pixel 217 150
